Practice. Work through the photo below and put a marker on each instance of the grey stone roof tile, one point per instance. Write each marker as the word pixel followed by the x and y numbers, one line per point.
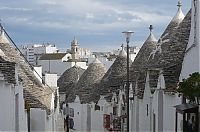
pixel 35 93
pixel 7 68
pixel 69 77
pixel 92 75
pixel 115 75
pixel 68 80
pixel 140 64
pixel 171 58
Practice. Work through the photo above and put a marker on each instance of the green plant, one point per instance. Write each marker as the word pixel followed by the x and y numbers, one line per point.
pixel 190 87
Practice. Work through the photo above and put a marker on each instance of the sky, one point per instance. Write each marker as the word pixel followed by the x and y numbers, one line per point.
pixel 96 24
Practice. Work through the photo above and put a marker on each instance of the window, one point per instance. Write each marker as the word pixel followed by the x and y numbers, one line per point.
pixel 147 109
pixel 114 110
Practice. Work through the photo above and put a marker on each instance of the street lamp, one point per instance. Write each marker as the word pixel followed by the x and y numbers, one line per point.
pixel 128 36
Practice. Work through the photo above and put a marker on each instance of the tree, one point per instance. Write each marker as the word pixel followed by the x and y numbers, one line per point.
pixel 190 87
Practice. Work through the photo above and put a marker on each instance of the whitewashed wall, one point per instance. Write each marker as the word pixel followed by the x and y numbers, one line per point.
pixel 191 62
pixel 59 67
pixel 169 111
pixel 80 115
pixel 169 101
pixel 56 66
pixel 97 119
pixel 38 72
pixel 21 117
pixel 51 79
pixel 105 108
pixel 7 103
pixel 37 119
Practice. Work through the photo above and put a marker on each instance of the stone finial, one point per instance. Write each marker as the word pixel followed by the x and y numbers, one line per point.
pixel 151 36
pixel 151 28
pixel 179 15
pixel 122 46
pixel 179 4
pixel 122 52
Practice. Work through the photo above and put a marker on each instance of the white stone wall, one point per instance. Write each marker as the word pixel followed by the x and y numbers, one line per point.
pixel 51 79
pixel 97 115
pixel 169 111
pixel 51 49
pixel 56 66
pixel 37 119
pixel 7 110
pixel 12 112
pixel 80 116
pixel 59 67
pixel 191 62
pixel 22 119
pixel 38 69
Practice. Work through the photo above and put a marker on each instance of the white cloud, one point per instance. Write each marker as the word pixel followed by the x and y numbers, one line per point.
pixel 89 15
pixel 14 8
pixel 100 18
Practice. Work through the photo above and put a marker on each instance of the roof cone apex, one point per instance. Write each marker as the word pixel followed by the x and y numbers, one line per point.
pixel 179 15
pixel 3 38
pixel 123 53
pixel 96 61
pixel 152 37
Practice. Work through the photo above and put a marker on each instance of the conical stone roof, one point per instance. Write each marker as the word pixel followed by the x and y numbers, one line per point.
pixel 92 75
pixel 114 77
pixel 165 37
pixel 155 62
pixel 35 94
pixel 171 58
pixel 140 66
pixel 68 78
